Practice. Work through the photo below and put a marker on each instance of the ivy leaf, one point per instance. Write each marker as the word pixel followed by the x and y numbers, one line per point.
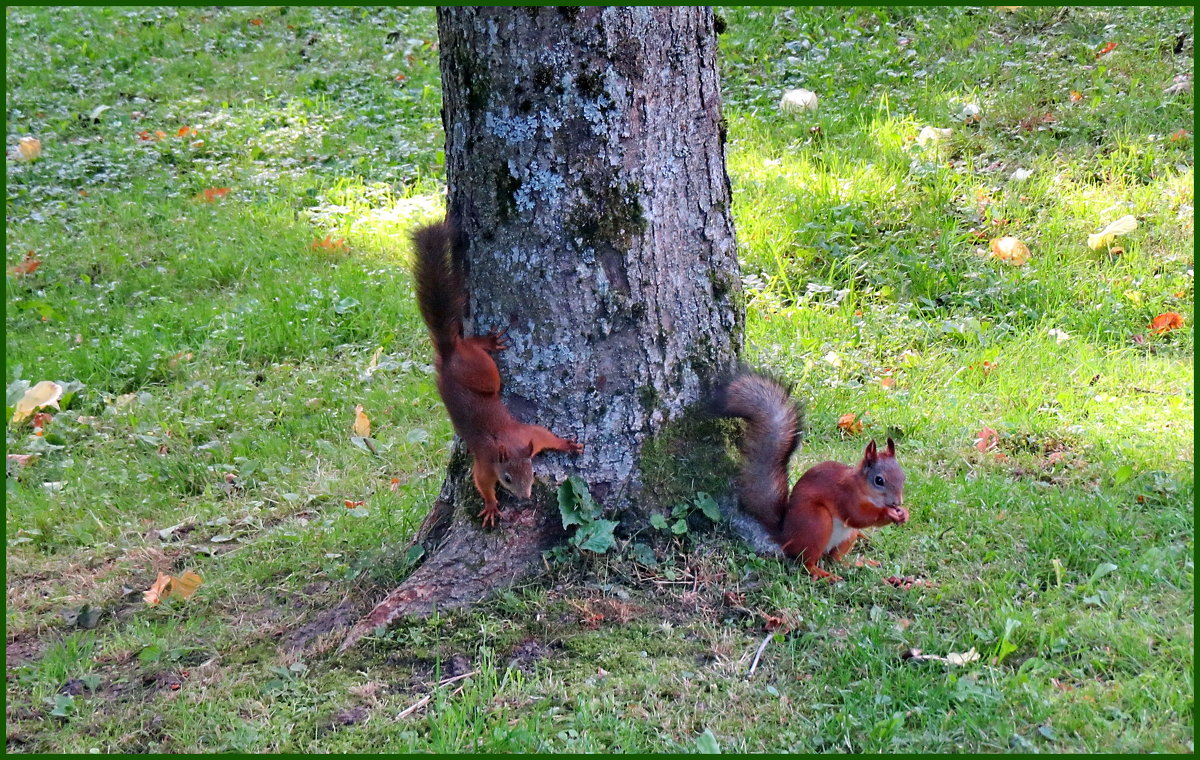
pixel 658 521
pixel 708 506
pixel 596 536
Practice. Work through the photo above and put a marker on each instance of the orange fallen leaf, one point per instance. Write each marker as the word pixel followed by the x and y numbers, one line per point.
pixel 1178 135
pixel 987 439
pixel 29 148
pixel 256 21
pixel 353 504
pixel 395 485
pixel 1010 250
pixel 211 194
pixel 40 421
pixel 850 424
pixel 159 134
pixel 400 77
pixel 329 243
pixel 362 424
pixel 1076 96
pixel 184 131
pixel 888 382
pixel 159 590
pixel 986 367
pixel 1166 322
pixel 1106 49
pixel 28 264
pixel 185 585
pixel 145 135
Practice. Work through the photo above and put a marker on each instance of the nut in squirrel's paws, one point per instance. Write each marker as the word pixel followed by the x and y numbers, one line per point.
pixel 898 515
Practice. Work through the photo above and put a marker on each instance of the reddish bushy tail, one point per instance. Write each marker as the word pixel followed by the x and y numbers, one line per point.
pixel 441 292
pixel 771 437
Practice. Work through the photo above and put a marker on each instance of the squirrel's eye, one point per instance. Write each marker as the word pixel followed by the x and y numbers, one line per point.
pixel 507 478
pixel 878 480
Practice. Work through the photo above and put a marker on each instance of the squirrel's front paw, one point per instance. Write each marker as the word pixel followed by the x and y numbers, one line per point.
pixel 574 447
pixel 898 515
pixel 490 515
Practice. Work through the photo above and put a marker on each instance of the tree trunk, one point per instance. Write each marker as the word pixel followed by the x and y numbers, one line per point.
pixel 586 168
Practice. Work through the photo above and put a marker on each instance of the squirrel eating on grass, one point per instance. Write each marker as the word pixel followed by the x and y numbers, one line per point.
pixel 468 379
pixel 829 504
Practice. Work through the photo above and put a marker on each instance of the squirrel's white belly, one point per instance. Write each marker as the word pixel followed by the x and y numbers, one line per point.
pixel 841 531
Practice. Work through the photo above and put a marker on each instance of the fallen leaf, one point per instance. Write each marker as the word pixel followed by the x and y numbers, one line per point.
pixel 29 149
pixel 211 194
pixel 256 21
pixel 1166 322
pixel 362 425
pixel 45 393
pixel 353 504
pixel 1076 96
pixel 41 420
pixel 1009 8
pixel 1178 135
pixel 850 424
pixel 1009 249
pixel 1104 237
pixel 185 585
pixel 159 134
pixel 773 623
pixel 1106 49
pixel 22 459
pixel 28 265
pixel 1181 84
pixel 159 590
pixel 933 135
pixel 184 131
pixel 888 382
pixel 395 486
pixel 328 243
pixel 987 439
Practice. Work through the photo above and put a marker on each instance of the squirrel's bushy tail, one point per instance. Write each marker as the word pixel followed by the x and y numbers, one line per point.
pixel 441 292
pixel 771 437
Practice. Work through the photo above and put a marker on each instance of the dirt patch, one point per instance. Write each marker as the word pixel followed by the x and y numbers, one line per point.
pixel 328 622
pixel 23 649
pixel 527 654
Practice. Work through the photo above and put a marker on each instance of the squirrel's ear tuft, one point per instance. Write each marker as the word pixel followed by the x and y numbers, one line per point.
pixel 870 454
pixel 501 453
pixel 526 452
pixel 891 448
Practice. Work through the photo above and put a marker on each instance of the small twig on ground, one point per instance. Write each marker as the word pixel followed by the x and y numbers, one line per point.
pixel 757 655
pixel 428 697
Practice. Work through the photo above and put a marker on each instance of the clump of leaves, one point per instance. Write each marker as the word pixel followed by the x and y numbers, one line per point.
pixel 681 512
pixel 576 506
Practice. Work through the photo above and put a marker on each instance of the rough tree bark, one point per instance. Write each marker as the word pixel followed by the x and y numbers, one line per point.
pixel 586 167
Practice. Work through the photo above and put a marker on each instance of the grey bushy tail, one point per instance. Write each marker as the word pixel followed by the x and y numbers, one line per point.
pixel 772 434
pixel 441 291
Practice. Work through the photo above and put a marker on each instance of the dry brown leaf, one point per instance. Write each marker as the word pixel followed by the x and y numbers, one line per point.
pixel 987 439
pixel 362 425
pixel 159 590
pixel 850 424
pixel 185 585
pixel 1010 250
pixel 29 149
pixel 28 264
pixel 1165 323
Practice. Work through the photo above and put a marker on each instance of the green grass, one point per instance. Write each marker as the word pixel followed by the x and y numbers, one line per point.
pixel 213 340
